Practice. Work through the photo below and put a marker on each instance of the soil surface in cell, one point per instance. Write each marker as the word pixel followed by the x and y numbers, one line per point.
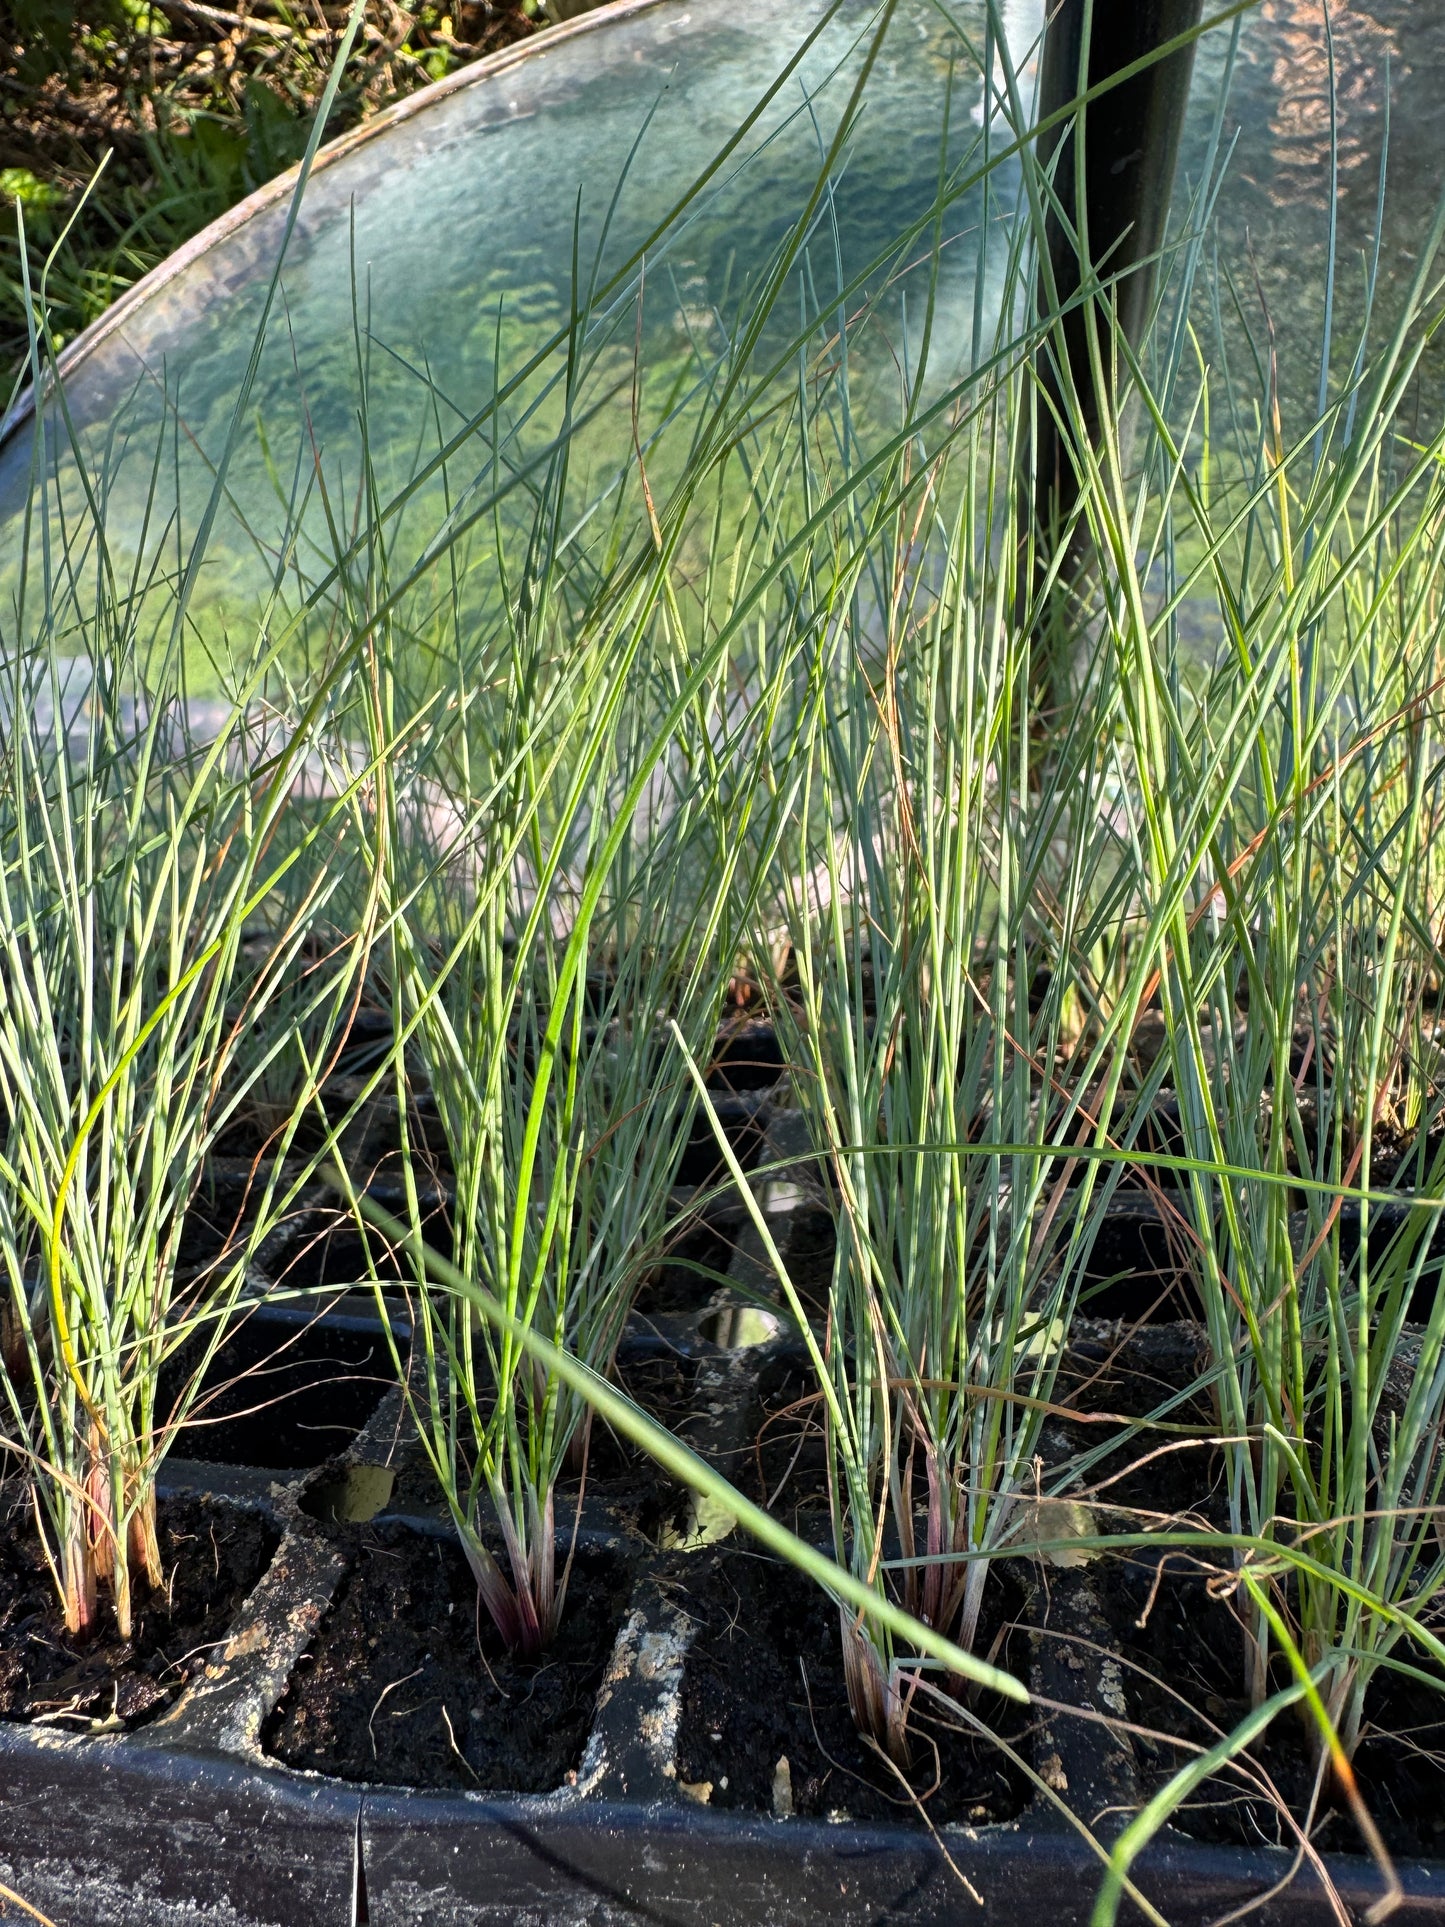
pixel 285 1390
pixel 1184 1677
pixel 786 1465
pixel 256 1132
pixel 221 1211
pixel 812 1247
pixel 408 1684
pixel 765 1721
pixel 212 1556
pixel 1139 1268
pixel 746 1057
pixel 743 1119
pixel 1147 1473
pixel 618 1475
pixel 692 1272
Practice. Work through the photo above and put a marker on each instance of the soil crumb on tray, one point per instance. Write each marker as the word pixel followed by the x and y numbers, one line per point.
pixel 407 1683
pixel 213 1556
pixel 765 1717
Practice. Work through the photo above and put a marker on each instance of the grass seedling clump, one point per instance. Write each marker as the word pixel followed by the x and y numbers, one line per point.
pixel 136 857
pixel 1277 813
pixel 573 851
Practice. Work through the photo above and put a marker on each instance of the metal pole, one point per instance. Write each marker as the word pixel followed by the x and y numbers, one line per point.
pixel 1131 144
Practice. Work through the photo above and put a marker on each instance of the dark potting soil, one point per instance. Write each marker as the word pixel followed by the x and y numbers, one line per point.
pixel 662 1382
pixel 256 1131
pixel 1394 1225
pixel 1138 1268
pixel 225 1203
pixel 746 1057
pixel 212 1554
pixel 764 1684
pixel 743 1117
pixel 288 1387
pixel 691 1272
pixel 1159 1135
pixel 407 1683
pixel 637 1494
pixel 1126 1376
pixel 812 1244
pixel 378 1153
pixel 786 1466
pixel 1407 1161
pixel 326 1249
pixel 1185 1681
pixel 1131 1372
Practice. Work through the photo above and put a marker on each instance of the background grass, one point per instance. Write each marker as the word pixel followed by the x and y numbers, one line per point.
pixel 184 107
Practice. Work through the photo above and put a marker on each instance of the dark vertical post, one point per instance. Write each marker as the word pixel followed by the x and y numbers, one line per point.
pixel 1131 144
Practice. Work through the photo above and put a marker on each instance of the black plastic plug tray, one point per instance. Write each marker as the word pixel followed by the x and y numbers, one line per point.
pixel 193 1820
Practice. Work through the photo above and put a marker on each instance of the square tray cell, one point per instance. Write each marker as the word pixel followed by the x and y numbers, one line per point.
pixel 406 1683
pixel 289 1388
